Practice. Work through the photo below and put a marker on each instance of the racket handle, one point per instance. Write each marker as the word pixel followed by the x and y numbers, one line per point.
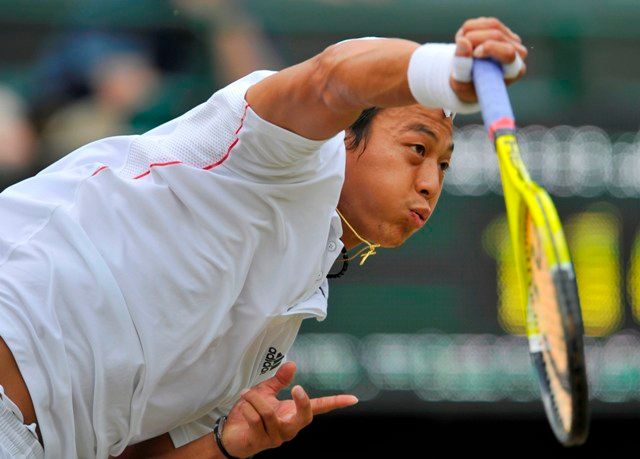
pixel 492 95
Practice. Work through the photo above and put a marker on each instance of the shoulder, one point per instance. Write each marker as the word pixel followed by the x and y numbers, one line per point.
pixel 237 90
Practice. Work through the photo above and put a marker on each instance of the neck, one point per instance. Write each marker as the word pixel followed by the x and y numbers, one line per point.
pixel 348 238
pixel 351 239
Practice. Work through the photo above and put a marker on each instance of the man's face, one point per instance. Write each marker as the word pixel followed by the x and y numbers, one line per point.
pixel 394 177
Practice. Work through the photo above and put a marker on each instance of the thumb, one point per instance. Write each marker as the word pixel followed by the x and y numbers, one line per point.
pixel 282 378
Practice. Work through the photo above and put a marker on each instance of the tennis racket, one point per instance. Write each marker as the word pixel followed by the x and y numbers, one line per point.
pixel 545 272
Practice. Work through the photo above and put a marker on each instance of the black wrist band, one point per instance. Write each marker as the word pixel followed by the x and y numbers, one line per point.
pixel 217 433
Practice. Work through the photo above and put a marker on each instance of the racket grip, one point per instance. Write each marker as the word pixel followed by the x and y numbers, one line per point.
pixel 492 95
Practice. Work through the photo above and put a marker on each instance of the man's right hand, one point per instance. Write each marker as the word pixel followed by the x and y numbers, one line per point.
pixel 260 421
pixel 486 38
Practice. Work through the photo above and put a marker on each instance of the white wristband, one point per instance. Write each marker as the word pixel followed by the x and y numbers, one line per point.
pixel 429 70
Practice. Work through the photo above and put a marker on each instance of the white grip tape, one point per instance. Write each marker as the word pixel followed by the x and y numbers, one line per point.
pixel 430 67
pixel 512 70
pixel 462 68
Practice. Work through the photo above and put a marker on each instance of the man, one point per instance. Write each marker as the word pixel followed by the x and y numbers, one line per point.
pixel 150 285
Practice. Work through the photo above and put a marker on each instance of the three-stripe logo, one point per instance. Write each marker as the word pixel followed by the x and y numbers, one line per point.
pixel 272 360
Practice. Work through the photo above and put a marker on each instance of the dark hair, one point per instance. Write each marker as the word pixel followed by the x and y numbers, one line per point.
pixel 359 130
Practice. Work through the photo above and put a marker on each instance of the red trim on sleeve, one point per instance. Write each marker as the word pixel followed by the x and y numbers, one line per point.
pixel 208 167
pixel 168 163
pixel 101 168
pixel 233 144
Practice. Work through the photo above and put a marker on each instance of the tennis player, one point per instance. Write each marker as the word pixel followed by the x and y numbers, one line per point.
pixel 151 285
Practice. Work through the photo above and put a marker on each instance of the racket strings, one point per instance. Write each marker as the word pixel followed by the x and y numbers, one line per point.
pixel 543 299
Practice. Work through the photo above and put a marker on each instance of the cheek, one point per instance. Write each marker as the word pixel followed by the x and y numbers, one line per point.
pixel 377 172
pixel 393 169
pixel 391 184
pixel 379 184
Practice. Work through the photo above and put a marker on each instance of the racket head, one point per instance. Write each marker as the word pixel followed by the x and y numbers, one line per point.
pixel 554 324
pixel 545 272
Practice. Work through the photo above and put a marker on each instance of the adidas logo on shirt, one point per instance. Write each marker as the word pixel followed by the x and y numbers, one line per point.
pixel 272 361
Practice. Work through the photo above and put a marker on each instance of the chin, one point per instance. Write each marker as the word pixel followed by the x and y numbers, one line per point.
pixel 392 235
pixel 393 241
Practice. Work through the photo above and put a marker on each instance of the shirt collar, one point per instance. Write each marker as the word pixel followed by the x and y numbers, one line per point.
pixel 336 225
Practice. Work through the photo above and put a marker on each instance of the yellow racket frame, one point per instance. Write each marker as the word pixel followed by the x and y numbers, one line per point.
pixel 521 195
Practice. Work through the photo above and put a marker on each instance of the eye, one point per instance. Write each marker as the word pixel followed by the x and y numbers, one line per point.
pixel 420 149
pixel 444 166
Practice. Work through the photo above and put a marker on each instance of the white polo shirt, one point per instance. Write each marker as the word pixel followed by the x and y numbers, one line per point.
pixel 146 280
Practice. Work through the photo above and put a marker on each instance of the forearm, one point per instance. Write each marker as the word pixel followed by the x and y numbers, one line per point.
pixel 203 447
pixel 162 448
pixel 366 73
pixel 325 94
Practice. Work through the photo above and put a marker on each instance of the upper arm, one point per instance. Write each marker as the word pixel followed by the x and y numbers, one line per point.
pixel 149 448
pixel 162 448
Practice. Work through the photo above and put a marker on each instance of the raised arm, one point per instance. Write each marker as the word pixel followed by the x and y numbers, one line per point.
pixel 325 94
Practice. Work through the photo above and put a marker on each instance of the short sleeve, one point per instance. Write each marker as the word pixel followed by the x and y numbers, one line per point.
pixel 225 131
pixel 269 151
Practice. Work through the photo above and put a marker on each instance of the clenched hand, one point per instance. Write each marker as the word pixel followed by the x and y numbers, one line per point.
pixel 486 38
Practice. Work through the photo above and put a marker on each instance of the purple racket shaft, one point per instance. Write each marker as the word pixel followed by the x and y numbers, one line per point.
pixel 492 95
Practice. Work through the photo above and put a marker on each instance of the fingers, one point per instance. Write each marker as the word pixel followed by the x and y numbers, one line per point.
pixel 487 23
pixel 282 378
pixel 271 422
pixel 464 47
pixel 500 51
pixel 261 414
pixel 266 413
pixel 503 53
pixel 301 417
pixel 303 406
pixel 325 404
pixel 488 37
pixel 251 416
pixel 478 37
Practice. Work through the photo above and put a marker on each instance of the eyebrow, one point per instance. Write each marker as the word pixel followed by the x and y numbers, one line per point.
pixel 419 127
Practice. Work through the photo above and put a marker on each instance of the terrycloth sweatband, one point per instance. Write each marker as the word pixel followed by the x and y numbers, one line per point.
pixel 430 67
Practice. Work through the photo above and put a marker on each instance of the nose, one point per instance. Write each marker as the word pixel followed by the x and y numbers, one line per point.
pixel 428 181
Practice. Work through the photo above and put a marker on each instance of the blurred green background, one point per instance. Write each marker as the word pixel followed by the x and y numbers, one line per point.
pixel 433 326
